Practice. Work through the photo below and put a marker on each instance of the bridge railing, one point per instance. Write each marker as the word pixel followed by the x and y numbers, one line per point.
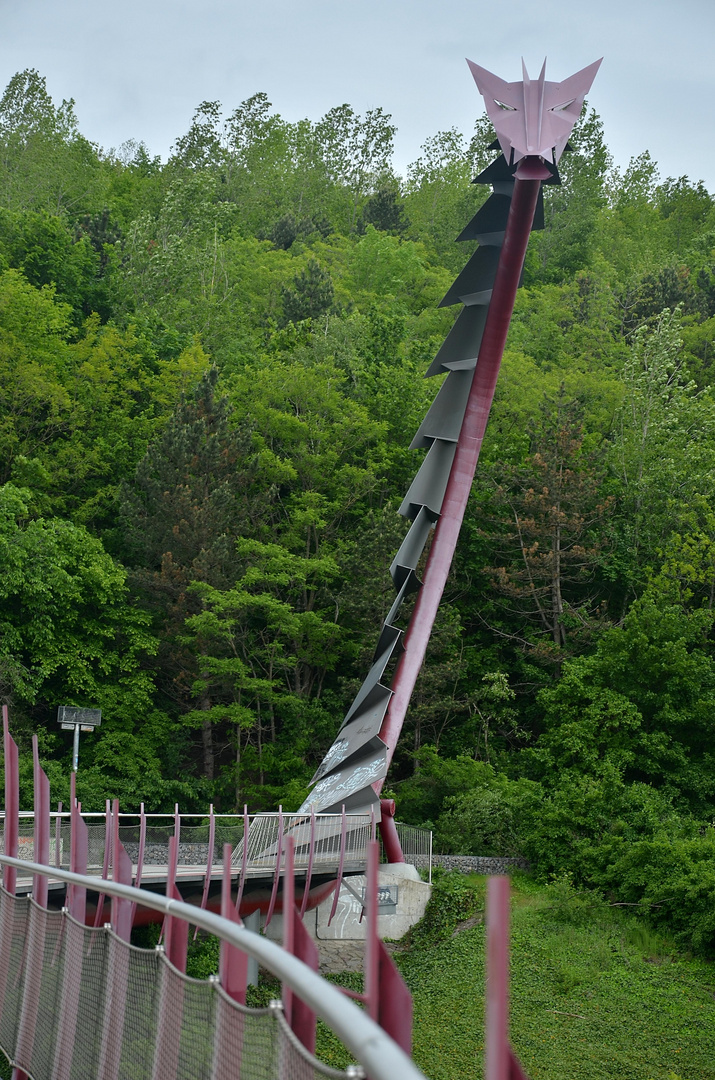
pixel 76 1000
pixel 42 1023
pixel 200 835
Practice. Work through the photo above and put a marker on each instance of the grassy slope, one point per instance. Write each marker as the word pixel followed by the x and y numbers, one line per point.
pixel 640 1011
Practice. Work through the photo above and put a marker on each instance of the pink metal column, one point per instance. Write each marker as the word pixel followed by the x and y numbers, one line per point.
pixel 496 1045
pixel 37 925
pixel 244 859
pixel 277 873
pixel 12 810
pixel 233 977
pixel 41 825
pixel 121 910
pixel 72 943
pixel 176 931
pixel 12 802
pixel 117 961
pixel 288 921
pixel 209 862
pixel 107 860
pixel 76 901
pixel 233 964
pixel 506 283
pixel 500 1061
pixel 302 1019
pixel 388 832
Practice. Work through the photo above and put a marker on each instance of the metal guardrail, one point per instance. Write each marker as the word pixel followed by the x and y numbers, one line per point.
pixel 200 835
pixel 377 1053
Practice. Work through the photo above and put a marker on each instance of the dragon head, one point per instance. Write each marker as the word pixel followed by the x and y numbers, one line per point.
pixel 533 117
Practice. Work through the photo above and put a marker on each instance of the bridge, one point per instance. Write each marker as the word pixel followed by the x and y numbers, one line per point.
pixel 327 847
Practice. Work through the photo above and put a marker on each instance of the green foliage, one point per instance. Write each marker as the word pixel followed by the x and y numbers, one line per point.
pixel 211 369
pixel 310 296
pixel 454 899
pixel 68 631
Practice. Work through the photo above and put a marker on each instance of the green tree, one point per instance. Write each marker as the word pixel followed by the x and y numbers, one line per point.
pixel 310 295
pixel 45 163
pixel 68 632
pixel 662 449
pixel 181 513
pixel 549 515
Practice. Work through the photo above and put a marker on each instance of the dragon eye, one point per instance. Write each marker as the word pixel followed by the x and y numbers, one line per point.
pixel 503 105
pixel 564 105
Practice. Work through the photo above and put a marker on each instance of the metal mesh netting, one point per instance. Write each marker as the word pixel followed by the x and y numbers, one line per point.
pixel 78 1003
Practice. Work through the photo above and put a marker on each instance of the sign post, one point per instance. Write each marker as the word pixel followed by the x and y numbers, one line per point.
pixel 74 719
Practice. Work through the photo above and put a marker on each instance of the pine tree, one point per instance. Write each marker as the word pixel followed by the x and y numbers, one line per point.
pixel 189 501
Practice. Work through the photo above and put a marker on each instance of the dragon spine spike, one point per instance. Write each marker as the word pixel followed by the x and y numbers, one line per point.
pixel 533 117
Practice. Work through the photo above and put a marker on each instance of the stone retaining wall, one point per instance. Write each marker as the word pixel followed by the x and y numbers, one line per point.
pixel 156 854
pixel 474 864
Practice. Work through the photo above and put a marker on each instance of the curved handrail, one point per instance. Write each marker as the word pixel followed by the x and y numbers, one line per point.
pixel 379 1055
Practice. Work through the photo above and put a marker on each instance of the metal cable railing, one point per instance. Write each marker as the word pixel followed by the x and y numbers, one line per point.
pixel 141 1017
pixel 196 838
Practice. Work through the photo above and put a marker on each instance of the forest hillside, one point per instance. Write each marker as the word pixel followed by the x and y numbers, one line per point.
pixel 210 372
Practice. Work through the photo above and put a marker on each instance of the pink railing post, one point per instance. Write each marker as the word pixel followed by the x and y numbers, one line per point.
pixel 372 941
pixel 395 1002
pixel 309 871
pixel 171 996
pixel 297 942
pixel 209 862
pixel 244 859
pixel 121 910
pixel 140 854
pixel 341 864
pixel 72 942
pixel 500 1061
pixel 12 802
pixel 11 844
pixel 36 929
pixel 41 824
pixel 288 920
pixel 58 836
pixel 303 1019
pixel 176 931
pixel 496 1045
pixel 233 963
pixel 79 854
pixel 388 1000
pixel 117 961
pixel 277 874
pixel 233 977
pixel 106 861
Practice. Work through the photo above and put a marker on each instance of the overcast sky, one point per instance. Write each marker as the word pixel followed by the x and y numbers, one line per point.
pixel 138 68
